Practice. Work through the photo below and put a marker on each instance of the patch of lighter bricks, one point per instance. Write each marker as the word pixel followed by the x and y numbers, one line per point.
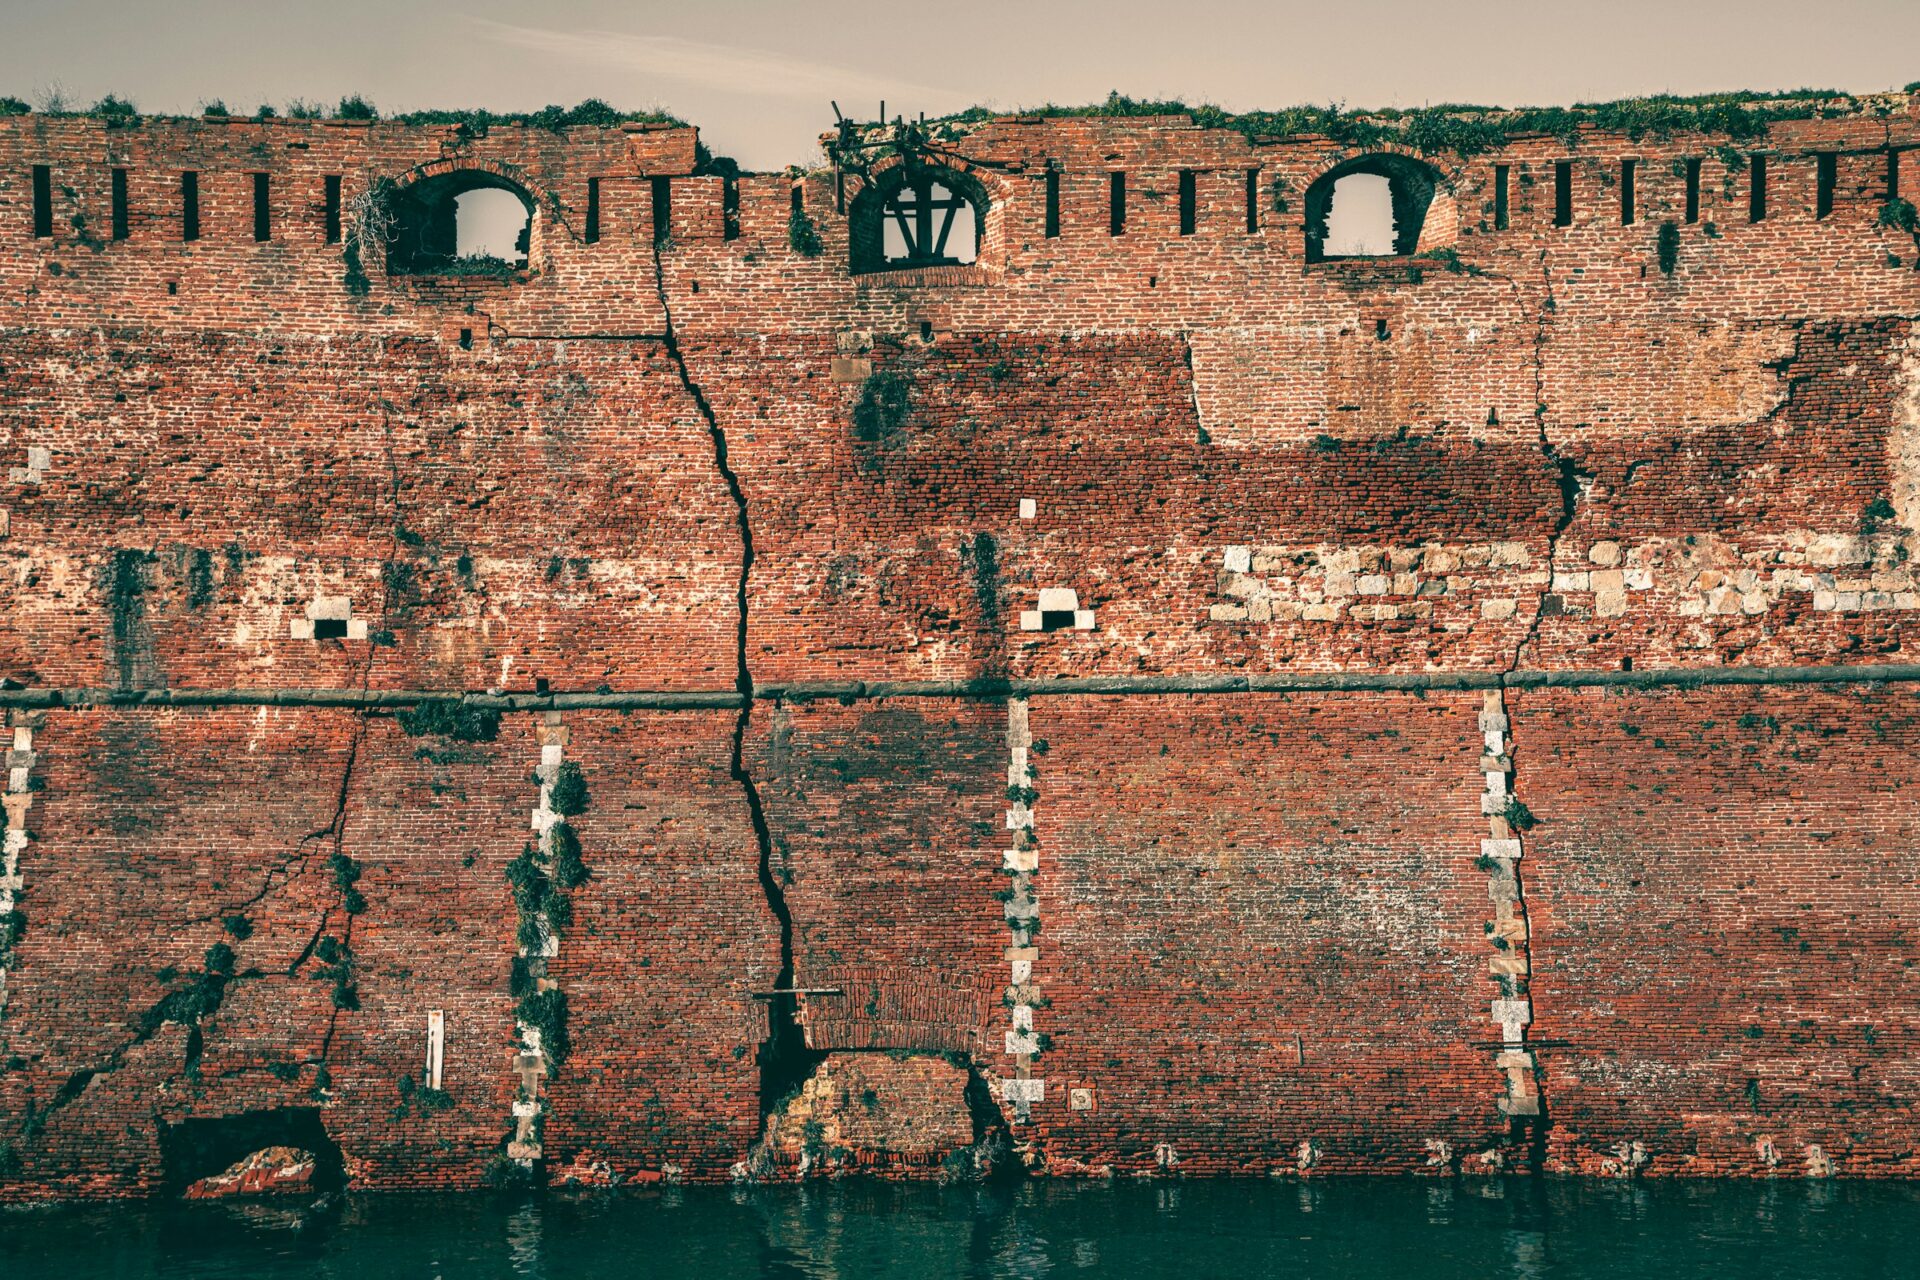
pixel 18 798
pixel 1697 576
pixel 1510 964
pixel 1022 910
pixel 530 1060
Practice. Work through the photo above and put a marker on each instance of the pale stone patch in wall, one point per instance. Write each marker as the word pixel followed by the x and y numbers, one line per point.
pixel 1903 437
pixel 329 618
pixel 1058 609
pixel 1695 576
pixel 39 460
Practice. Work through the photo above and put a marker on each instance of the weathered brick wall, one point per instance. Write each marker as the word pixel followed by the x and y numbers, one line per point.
pixel 1165 924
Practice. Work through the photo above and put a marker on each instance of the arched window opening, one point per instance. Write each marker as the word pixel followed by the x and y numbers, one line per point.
pixel 917 217
pixel 465 223
pixel 1374 207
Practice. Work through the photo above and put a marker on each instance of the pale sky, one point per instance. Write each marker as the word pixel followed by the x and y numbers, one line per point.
pixel 757 75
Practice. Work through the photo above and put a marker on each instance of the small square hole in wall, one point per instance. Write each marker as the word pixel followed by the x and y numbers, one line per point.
pixel 329 628
pixel 1056 619
pixel 540 686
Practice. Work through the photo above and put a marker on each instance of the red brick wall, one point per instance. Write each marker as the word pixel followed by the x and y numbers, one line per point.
pixel 1265 936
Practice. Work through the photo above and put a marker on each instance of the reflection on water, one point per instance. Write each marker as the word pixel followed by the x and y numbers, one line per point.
pixel 1403 1229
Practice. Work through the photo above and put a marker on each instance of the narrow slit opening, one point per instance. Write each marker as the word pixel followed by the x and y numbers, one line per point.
pixel 332 188
pixel 42 202
pixel 1627 210
pixel 1825 166
pixel 663 210
pixel 1116 204
pixel 119 204
pixel 730 207
pixel 1053 203
pixel 1253 202
pixel 189 206
pixel 1756 188
pixel 1500 213
pixel 1693 189
pixel 1189 201
pixel 1563 193
pixel 262 208
pixel 592 231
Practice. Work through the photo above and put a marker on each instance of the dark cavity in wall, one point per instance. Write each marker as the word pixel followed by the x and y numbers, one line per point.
pixel 132 656
pixel 200 1148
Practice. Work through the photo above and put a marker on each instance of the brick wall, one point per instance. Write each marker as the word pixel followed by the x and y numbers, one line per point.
pixel 1013 783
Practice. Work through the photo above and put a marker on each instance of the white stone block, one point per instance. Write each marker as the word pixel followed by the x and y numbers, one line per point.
pixel 1018 1044
pixel 331 608
pixel 1023 1017
pixel 301 629
pixel 1029 508
pixel 1573 581
pixel 356 628
pixel 1639 579
pixel 1083 619
pixel 1497 610
pixel 1058 600
pixel 1605 553
pixel 551 755
pixel 1028 1091
pixel 1320 613
pixel 1496 741
pixel 1238 559
pixel 1372 584
pixel 22 738
pixel 39 457
pixel 1511 1011
pixel 1021 971
pixel 1500 848
pixel 1215 613
pixel 17 779
pixel 1496 783
pixel 526 1109
pixel 1030 619
pixel 1020 859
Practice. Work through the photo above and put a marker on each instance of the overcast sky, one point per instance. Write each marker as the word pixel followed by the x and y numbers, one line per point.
pixel 757 75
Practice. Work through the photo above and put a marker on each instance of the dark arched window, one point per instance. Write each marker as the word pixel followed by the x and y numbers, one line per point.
pixel 1371 206
pixel 470 222
pixel 916 216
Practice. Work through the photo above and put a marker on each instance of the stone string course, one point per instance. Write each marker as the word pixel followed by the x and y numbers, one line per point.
pixel 1319 580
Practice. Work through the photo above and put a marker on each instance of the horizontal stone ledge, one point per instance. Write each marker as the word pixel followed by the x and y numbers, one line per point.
pixel 985 688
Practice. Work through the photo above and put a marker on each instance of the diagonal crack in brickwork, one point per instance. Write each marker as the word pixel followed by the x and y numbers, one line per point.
pixel 784 1057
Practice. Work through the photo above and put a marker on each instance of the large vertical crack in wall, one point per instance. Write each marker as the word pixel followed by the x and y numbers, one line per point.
pixel 785 1059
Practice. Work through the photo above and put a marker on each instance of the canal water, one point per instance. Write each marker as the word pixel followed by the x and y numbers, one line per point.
pixel 1401 1229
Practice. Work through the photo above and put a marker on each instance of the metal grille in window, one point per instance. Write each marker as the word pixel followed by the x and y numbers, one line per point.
pixel 922 218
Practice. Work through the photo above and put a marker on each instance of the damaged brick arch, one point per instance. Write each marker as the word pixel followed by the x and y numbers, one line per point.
pixel 424 238
pixel 1417 191
pixel 928 206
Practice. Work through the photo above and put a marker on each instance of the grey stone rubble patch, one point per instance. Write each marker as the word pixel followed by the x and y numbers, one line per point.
pixel 1022 911
pixel 17 799
pixel 530 1062
pixel 1510 965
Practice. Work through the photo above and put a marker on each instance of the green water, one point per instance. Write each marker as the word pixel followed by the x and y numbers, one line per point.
pixel 1330 1227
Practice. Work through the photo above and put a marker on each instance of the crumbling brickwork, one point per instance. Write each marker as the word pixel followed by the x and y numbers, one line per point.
pixel 1151 699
